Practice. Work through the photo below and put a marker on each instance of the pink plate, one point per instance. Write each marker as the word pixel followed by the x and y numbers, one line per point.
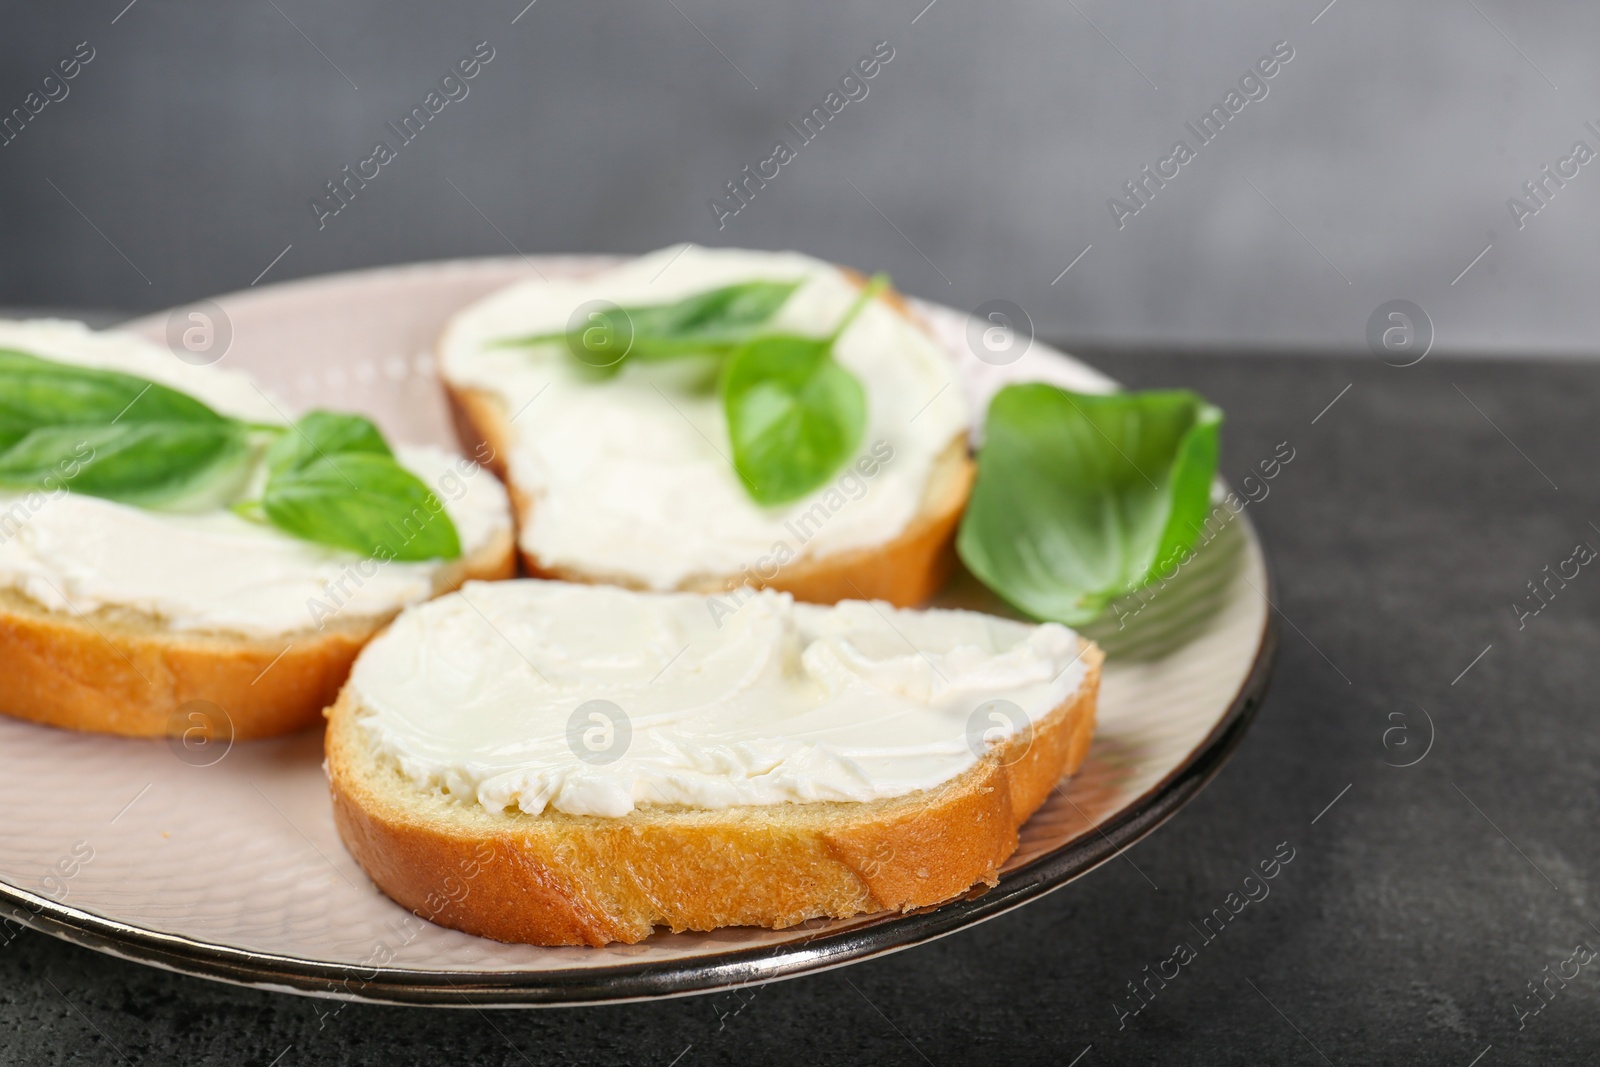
pixel 233 870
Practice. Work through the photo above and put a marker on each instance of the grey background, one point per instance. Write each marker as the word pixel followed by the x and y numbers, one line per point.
pixel 185 155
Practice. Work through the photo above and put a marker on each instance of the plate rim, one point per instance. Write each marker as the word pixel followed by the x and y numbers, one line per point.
pixel 642 981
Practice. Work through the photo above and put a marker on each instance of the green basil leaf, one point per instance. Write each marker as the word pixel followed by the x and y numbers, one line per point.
pixel 36 393
pixel 709 323
pixel 794 415
pixel 317 434
pixel 712 321
pixel 364 502
pixel 145 463
pixel 1081 498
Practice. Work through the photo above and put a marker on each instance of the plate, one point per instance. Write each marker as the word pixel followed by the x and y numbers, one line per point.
pixel 224 862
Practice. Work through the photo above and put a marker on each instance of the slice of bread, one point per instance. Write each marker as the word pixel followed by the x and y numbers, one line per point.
pixel 904 568
pixel 562 879
pixel 192 622
pixel 125 672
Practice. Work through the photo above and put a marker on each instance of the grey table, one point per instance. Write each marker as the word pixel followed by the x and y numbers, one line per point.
pixel 1420 902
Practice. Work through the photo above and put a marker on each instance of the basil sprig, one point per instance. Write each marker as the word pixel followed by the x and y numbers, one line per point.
pixel 331 479
pixel 1083 498
pixel 795 415
pixel 709 323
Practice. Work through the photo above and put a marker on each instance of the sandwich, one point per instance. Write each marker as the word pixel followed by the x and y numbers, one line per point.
pixel 179 557
pixel 711 420
pixel 559 763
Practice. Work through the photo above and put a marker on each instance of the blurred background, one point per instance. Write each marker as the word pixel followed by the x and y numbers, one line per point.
pixel 977 163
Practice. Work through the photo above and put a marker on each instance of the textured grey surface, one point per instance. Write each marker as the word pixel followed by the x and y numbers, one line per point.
pixel 1416 907
pixel 978 166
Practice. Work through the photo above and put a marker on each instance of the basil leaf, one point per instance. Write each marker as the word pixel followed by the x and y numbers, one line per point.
pixel 709 323
pixel 333 480
pixel 36 392
pixel 794 415
pixel 324 433
pixel 363 502
pixel 1081 499
pixel 145 463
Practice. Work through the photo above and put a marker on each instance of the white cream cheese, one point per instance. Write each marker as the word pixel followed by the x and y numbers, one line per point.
pixel 486 694
pixel 630 478
pixel 212 570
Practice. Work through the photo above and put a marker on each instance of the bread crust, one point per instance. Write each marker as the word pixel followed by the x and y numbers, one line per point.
pixel 125 673
pixel 905 570
pixel 558 879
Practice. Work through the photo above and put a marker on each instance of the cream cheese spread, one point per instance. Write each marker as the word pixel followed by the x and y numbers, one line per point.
pixel 211 570
pixel 630 478
pixel 595 700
